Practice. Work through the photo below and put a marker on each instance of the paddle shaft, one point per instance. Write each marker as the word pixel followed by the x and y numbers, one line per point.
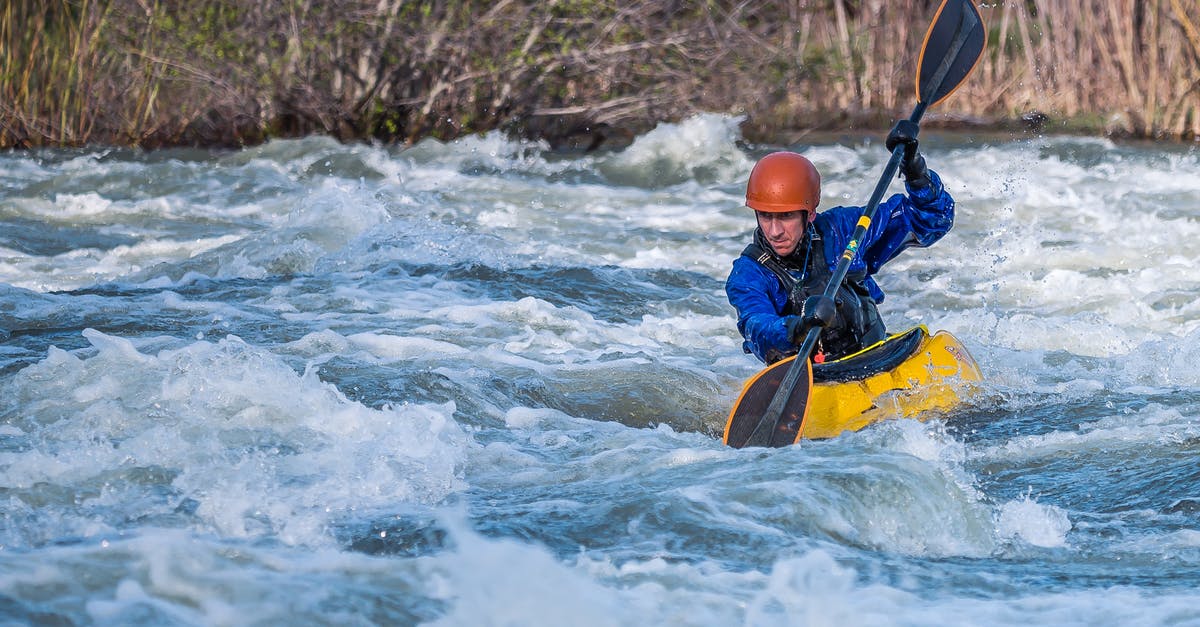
pixel 770 419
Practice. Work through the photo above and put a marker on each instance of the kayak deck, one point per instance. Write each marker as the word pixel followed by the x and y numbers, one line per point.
pixel 908 375
pixel 934 377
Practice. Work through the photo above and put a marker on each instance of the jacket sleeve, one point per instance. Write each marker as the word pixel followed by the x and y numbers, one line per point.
pixel 915 219
pixel 759 299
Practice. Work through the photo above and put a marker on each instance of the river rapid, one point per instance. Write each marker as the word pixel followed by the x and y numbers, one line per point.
pixel 481 383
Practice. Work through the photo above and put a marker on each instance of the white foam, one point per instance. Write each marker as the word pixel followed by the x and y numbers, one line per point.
pixel 258 447
pixel 507 582
pixel 527 417
pixel 701 148
pixel 1036 523
pixel 812 587
pixel 404 348
pixel 556 595
pixel 1126 433
pixel 86 266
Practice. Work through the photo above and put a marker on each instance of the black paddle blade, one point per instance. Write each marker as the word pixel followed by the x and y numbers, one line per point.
pixel 752 405
pixel 953 45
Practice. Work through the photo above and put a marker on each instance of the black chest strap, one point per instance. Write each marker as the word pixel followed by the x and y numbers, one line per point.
pixel 815 273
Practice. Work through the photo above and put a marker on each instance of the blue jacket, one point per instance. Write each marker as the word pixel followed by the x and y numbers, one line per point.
pixel 918 218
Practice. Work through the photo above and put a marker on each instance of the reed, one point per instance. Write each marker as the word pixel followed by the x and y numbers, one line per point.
pixel 1136 63
pixel 232 72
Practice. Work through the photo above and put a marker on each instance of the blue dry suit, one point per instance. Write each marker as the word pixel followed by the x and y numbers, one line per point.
pixel 918 218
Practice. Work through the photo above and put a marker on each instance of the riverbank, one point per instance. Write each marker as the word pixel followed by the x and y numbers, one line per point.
pixel 580 74
pixel 838 127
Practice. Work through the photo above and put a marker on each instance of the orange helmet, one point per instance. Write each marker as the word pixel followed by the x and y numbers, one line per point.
pixel 782 182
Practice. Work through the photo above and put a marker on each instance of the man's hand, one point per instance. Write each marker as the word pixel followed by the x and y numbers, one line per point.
pixel 913 164
pixel 817 311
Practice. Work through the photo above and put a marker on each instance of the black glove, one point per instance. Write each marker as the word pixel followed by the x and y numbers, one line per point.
pixel 817 311
pixel 912 166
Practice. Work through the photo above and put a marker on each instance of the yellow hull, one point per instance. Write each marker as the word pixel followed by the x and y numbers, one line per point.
pixel 933 379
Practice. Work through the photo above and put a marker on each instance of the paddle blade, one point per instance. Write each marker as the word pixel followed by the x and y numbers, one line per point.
pixel 953 46
pixel 752 405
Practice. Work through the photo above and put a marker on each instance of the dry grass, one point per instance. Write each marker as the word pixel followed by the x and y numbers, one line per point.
pixel 1136 63
pixel 230 72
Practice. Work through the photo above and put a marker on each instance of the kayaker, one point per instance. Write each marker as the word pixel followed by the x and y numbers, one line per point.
pixel 776 284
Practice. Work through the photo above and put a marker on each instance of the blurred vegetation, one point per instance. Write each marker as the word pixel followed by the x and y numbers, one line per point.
pixel 580 73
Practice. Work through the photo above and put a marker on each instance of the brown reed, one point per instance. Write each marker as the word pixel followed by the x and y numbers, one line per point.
pixel 232 72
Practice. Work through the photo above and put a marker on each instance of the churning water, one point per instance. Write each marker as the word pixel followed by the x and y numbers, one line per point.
pixel 479 383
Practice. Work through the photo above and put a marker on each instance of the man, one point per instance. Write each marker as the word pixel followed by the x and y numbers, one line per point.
pixel 777 283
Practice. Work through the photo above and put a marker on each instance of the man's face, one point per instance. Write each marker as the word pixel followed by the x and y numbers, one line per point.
pixel 783 231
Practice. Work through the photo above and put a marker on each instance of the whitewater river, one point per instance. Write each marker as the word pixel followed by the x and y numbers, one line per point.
pixel 480 383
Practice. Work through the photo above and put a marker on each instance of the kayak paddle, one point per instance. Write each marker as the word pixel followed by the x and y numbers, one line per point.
pixel 952 47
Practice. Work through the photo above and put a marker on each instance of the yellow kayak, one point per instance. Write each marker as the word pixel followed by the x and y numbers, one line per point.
pixel 908 375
